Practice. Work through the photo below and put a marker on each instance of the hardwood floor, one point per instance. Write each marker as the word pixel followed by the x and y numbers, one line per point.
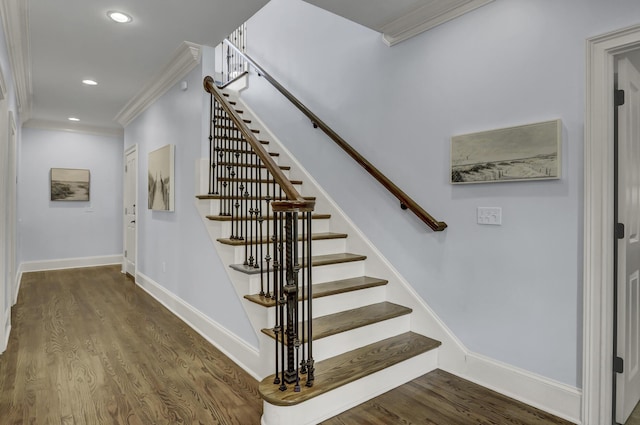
pixel 88 348
pixel 439 398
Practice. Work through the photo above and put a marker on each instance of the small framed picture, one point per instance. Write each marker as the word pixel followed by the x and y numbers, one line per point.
pixel 70 184
pixel 161 179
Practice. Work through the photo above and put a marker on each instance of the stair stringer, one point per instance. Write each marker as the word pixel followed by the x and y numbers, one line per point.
pixel 424 320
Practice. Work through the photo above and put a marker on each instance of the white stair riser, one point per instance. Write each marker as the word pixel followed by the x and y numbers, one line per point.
pixel 216 206
pixel 334 345
pixel 346 341
pixel 337 401
pixel 253 189
pixel 318 247
pixel 253 172
pixel 224 227
pixel 324 306
pixel 320 274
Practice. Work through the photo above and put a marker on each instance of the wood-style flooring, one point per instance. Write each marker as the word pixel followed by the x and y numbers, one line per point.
pixel 88 348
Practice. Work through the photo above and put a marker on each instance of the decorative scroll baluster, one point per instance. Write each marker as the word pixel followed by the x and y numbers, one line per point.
pixel 253 190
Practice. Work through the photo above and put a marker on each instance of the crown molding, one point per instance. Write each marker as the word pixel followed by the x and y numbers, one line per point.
pixel 185 58
pixel 424 18
pixel 73 128
pixel 15 22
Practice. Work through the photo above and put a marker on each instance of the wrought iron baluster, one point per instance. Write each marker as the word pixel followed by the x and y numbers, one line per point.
pixel 310 361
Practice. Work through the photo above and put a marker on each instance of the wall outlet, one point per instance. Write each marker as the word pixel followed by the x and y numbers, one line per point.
pixel 490 215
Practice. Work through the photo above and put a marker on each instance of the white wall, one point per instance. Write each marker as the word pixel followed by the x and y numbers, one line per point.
pixel 54 230
pixel 192 269
pixel 510 292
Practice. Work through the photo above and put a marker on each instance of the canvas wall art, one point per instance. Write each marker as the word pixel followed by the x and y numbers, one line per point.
pixel 161 179
pixel 69 184
pixel 526 152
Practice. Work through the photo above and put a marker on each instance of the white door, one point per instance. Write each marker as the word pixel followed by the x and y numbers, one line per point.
pixel 628 283
pixel 130 210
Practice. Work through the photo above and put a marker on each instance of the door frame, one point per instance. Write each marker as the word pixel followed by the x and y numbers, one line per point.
pixel 13 213
pixel 598 264
pixel 127 152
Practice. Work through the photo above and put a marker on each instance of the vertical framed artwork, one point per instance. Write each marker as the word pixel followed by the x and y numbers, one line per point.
pixel 526 152
pixel 161 179
pixel 70 184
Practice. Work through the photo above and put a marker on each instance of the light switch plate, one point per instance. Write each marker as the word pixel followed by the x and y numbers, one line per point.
pixel 490 215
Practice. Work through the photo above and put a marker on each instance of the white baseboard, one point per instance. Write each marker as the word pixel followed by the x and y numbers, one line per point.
pixel 69 263
pixel 543 393
pixel 244 355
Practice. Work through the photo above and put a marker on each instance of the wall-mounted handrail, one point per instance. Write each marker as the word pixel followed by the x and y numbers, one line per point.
pixel 294 200
pixel 406 202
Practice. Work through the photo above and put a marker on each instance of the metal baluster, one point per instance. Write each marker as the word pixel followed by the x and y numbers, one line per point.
pixel 226 184
pixel 281 299
pixel 310 361
pixel 252 210
pixel 276 329
pixel 290 292
pixel 235 212
pixel 303 282
pixel 218 154
pixel 211 158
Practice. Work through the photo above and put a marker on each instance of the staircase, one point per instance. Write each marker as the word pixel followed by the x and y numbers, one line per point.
pixel 366 338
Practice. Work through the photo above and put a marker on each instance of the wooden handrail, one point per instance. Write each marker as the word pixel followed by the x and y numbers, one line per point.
pixel 406 202
pixel 294 202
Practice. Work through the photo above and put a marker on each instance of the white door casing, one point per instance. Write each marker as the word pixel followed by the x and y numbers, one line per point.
pixel 628 280
pixel 13 210
pixel 130 210
pixel 598 264
pixel 5 305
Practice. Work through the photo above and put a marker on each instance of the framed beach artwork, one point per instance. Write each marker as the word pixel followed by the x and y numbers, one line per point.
pixel 526 152
pixel 161 179
pixel 70 184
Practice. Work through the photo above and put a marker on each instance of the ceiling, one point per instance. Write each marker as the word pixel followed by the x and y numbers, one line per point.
pixel 72 40
pixel 399 20
pixel 54 45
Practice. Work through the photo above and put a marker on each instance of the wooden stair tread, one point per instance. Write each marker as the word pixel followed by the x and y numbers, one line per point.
pixel 236 139
pixel 349 367
pixel 347 320
pixel 314 237
pixel 252 198
pixel 314 216
pixel 326 289
pixel 249 180
pixel 247 151
pixel 316 261
pixel 224 164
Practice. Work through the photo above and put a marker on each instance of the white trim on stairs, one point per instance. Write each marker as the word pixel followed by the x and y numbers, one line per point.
pixel 244 355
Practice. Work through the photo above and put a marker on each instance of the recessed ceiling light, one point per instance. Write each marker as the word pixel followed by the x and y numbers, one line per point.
pixel 90 82
pixel 74 119
pixel 119 17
